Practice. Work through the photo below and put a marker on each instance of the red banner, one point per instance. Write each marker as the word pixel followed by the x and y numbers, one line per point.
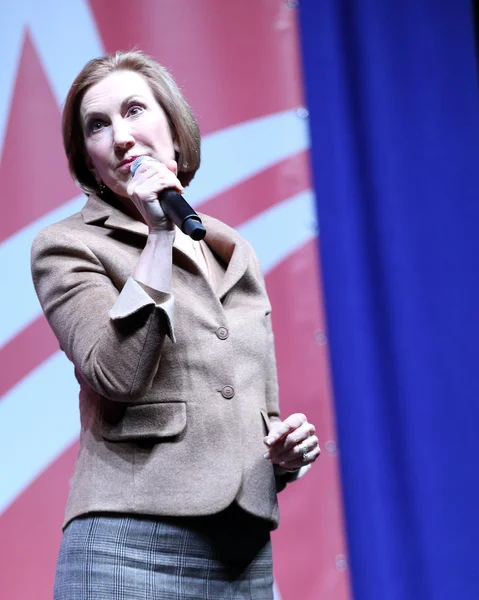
pixel 238 65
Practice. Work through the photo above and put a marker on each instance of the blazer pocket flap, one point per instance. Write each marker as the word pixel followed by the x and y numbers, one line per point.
pixel 145 422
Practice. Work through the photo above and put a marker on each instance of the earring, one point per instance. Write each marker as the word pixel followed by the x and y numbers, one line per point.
pixel 101 187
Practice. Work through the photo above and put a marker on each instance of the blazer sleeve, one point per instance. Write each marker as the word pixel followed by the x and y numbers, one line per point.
pixel 114 338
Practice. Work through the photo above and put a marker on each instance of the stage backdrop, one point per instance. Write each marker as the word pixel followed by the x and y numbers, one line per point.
pixel 393 90
pixel 237 63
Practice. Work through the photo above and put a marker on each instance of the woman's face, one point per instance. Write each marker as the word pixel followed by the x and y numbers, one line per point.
pixel 121 120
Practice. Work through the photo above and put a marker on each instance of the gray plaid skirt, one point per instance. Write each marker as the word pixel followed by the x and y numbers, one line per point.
pixel 121 557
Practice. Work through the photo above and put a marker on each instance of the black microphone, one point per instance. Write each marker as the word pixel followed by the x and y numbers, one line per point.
pixel 176 207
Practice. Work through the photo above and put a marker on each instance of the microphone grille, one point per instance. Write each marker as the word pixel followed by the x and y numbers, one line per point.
pixel 136 163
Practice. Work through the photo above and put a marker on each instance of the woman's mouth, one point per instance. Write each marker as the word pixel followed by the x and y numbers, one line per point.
pixel 124 165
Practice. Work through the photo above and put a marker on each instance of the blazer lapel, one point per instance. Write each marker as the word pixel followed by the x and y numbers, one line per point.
pixel 97 209
pixel 230 247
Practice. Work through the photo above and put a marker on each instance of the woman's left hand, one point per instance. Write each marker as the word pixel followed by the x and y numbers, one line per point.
pixel 292 443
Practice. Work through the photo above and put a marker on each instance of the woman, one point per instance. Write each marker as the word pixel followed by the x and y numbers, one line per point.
pixel 174 491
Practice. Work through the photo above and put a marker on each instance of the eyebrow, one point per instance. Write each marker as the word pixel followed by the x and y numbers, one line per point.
pixel 96 114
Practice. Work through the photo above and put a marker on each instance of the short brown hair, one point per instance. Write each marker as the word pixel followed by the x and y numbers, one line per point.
pixel 183 125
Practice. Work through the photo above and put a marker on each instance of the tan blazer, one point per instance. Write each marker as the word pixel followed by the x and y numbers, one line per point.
pixel 176 390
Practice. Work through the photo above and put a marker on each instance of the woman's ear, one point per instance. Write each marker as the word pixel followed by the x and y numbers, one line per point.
pixel 182 166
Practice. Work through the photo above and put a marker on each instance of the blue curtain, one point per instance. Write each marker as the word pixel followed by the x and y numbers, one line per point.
pixel 392 88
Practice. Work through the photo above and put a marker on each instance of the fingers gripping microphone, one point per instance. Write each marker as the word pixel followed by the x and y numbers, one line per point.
pixel 176 208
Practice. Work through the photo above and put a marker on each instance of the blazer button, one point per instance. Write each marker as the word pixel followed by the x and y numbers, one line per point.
pixel 222 333
pixel 228 392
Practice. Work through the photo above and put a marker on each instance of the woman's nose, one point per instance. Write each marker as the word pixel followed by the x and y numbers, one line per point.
pixel 122 137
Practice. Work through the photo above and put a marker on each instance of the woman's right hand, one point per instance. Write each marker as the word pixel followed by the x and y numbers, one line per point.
pixel 150 179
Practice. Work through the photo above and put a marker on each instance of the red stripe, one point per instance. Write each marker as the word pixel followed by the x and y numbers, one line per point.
pixel 282 180
pixel 30 530
pixel 311 533
pixel 25 352
pixel 34 178
pixel 235 61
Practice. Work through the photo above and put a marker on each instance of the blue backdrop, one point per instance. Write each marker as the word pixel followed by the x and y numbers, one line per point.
pixel 392 88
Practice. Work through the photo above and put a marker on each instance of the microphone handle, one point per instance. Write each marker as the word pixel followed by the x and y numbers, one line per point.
pixel 180 212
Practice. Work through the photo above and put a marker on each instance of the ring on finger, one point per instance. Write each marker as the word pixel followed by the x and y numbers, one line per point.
pixel 303 450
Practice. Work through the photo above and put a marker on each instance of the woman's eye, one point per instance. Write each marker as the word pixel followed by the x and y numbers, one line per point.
pixel 96 126
pixel 135 110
